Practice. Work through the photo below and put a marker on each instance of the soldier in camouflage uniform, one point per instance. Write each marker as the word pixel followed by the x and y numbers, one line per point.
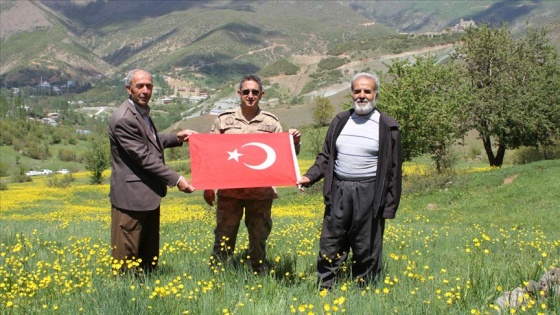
pixel 257 202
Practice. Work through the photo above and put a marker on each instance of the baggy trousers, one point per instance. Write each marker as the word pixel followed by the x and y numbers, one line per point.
pixel 135 235
pixel 349 223
pixel 257 220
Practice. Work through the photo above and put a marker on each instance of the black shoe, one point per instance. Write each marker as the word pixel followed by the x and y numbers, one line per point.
pixel 262 270
pixel 325 288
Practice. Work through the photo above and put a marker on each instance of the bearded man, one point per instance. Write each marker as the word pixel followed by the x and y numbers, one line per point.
pixel 361 163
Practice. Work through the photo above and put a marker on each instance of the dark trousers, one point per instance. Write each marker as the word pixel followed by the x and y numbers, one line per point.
pixel 134 236
pixel 349 223
pixel 258 221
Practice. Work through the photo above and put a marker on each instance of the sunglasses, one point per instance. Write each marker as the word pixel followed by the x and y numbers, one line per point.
pixel 255 92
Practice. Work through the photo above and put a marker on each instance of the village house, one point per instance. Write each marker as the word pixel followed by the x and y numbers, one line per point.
pixel 463 25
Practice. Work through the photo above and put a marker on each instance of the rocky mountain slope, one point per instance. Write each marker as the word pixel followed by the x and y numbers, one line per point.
pixel 218 40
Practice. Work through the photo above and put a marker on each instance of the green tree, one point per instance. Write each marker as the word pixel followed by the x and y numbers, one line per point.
pixel 97 158
pixel 3 106
pixel 348 102
pixel 427 99
pixel 4 167
pixel 542 93
pixel 18 108
pixel 323 111
pixel 514 84
pixel 316 140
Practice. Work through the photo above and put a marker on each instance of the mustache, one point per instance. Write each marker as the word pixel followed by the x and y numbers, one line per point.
pixel 364 101
pixel 363 107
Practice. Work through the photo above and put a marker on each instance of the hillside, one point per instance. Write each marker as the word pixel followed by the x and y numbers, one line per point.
pixel 213 42
pixel 290 116
pixel 296 116
pixel 245 38
pixel 435 16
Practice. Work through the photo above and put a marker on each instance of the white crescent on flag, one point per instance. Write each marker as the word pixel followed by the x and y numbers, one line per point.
pixel 270 156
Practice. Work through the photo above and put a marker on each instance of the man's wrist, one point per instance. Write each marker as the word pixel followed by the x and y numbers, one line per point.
pixel 177 183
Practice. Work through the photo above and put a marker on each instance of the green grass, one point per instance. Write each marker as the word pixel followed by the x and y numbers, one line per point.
pixel 15 160
pixel 482 238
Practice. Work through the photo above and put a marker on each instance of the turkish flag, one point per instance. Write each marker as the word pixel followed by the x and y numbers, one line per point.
pixel 243 160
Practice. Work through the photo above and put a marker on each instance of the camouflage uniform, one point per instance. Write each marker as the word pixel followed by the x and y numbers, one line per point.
pixel 257 201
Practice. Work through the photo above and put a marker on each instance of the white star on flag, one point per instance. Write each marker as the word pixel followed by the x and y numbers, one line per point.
pixel 234 155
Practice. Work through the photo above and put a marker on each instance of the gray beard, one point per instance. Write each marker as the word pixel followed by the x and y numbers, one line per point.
pixel 364 109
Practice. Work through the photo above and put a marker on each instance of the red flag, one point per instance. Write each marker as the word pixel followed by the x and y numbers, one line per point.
pixel 243 160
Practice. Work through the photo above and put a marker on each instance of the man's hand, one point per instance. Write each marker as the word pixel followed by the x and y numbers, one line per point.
pixel 184 185
pixel 209 196
pixel 295 134
pixel 183 135
pixel 303 182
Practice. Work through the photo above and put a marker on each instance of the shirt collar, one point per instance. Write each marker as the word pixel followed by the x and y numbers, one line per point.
pixel 144 111
pixel 366 116
pixel 239 115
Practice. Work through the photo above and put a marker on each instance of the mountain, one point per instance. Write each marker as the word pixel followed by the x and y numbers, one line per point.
pixel 216 41
pixel 106 37
pixel 430 16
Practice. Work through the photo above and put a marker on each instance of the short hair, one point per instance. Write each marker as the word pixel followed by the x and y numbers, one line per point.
pixel 251 77
pixel 372 76
pixel 131 73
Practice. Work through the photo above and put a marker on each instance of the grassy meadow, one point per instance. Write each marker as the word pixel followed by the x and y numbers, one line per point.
pixel 452 250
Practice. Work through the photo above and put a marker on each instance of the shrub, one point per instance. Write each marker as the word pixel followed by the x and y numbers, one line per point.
pixel 282 66
pixel 55 138
pixel 6 137
pixel 322 79
pixel 36 150
pixel 296 100
pixel 445 157
pixel 60 182
pixel 182 168
pixel 4 169
pixel 525 155
pixel 19 175
pixel 3 185
pixel 97 158
pixel 430 180
pixel 331 63
pixel 72 140
pixel 475 153
pixel 316 139
pixel 323 111
pixel 67 155
pixel 177 153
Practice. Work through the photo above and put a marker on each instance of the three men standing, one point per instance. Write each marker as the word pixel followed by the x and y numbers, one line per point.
pixel 361 163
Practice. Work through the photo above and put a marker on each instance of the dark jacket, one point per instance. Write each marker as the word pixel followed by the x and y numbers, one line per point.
pixel 139 176
pixel 389 167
